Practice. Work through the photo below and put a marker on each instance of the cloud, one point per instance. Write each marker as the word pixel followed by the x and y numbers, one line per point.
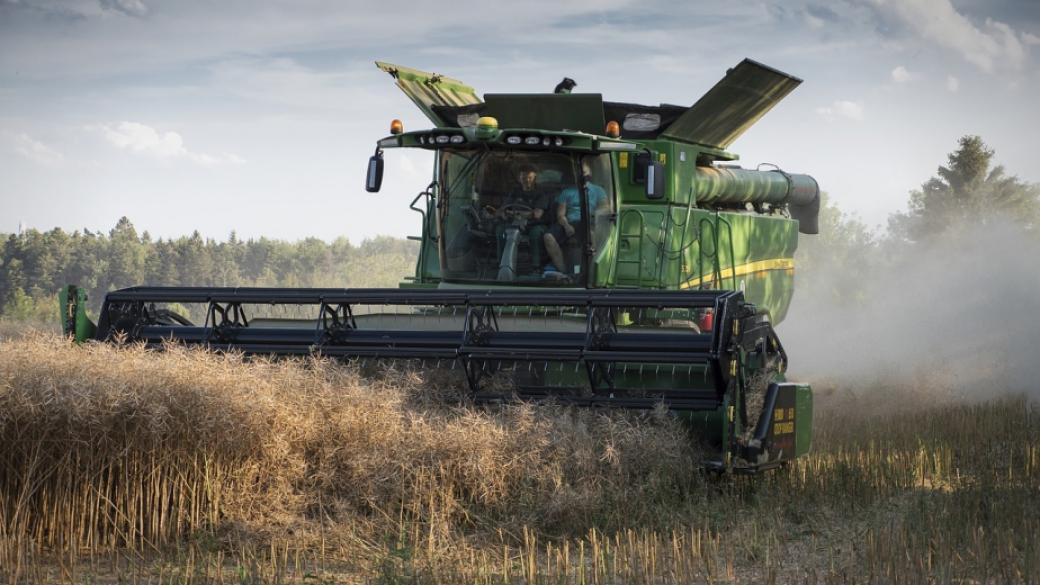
pixel 993 46
pixel 842 109
pixel 901 75
pixel 286 82
pixel 135 8
pixel 143 139
pixel 813 21
pixel 952 84
pixel 35 150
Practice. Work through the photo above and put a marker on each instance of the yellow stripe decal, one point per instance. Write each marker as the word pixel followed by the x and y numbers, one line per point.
pixel 744 270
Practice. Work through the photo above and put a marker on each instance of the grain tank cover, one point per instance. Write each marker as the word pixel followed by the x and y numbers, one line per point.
pixel 431 89
pixel 722 115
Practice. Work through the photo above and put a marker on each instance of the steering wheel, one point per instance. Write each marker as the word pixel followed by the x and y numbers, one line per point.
pixel 514 207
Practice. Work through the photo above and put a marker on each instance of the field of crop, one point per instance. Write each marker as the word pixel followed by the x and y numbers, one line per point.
pixel 119 465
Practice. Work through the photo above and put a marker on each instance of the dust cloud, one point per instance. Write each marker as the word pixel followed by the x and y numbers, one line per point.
pixel 962 312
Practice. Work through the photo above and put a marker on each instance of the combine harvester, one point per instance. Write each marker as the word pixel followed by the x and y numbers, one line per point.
pixel 592 253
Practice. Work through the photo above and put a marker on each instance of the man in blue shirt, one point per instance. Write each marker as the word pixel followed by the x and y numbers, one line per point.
pixel 569 217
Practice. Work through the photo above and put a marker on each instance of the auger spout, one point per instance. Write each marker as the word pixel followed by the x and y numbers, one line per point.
pixel 721 185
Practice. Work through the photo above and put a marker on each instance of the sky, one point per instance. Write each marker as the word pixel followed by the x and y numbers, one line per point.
pixel 259 116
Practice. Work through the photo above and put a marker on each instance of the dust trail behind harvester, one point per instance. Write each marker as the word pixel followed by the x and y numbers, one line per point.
pixel 961 313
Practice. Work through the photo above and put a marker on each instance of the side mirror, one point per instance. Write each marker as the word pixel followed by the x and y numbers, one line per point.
pixel 654 180
pixel 374 176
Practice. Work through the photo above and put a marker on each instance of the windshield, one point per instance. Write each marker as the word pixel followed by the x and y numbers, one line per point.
pixel 522 217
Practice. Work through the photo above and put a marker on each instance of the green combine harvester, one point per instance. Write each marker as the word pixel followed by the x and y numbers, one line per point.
pixel 584 252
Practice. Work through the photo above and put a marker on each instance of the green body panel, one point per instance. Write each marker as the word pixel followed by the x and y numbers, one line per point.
pixel 803 419
pixel 786 423
pixel 72 301
pixel 673 246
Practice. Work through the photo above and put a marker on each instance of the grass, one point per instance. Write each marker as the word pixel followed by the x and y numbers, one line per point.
pixel 120 465
pixel 14 328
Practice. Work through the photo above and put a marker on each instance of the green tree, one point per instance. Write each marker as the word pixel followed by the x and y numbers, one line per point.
pixel 126 266
pixel 35 265
pixel 161 264
pixel 967 190
pixel 22 307
pixel 195 260
pixel 227 260
pixel 830 264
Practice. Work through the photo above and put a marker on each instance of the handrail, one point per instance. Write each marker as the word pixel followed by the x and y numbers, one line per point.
pixel 662 246
pixel 715 255
pixel 420 265
pixel 682 241
pixel 732 251
pixel 705 226
pixel 639 250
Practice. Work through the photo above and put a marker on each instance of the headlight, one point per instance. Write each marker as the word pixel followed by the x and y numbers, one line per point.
pixel 513 140
pixel 558 141
pixel 546 141
pixel 458 139
pixel 442 139
pixel 532 140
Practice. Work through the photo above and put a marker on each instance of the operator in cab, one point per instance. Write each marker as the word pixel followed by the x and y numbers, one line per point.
pixel 527 208
pixel 570 219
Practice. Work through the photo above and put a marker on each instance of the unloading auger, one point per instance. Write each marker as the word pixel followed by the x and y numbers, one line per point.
pixel 590 253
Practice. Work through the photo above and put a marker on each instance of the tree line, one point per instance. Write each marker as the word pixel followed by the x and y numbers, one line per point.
pixel 34 265
pixel 969 190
